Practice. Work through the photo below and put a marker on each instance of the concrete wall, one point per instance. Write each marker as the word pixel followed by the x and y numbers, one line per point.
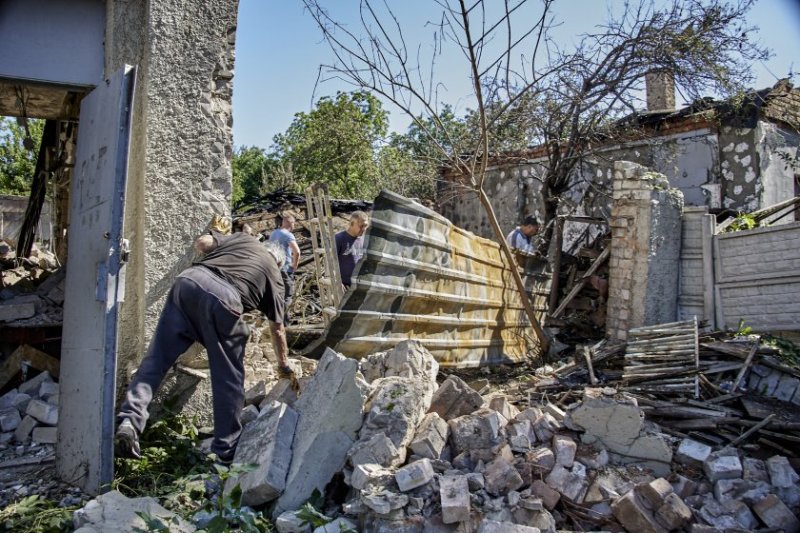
pixel 12 215
pixel 732 168
pixel 645 221
pixel 757 277
pixel 180 171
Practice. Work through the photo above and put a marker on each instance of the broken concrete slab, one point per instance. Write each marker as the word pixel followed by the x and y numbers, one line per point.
pixel 455 499
pixel 249 413
pixel 407 359
pixel 754 469
pixel 256 394
pixel 16 311
pixel 414 475
pixel 280 392
pixel 337 526
pixel 291 522
pixel 384 502
pixel 653 494
pixel 395 408
pixel 266 442
pixel 330 415
pixel 113 511
pixel 454 399
pixel 32 386
pixel 431 437
pixel 728 515
pixel 365 473
pixel 618 426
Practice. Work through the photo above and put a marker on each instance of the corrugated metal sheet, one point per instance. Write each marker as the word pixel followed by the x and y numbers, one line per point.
pixel 423 278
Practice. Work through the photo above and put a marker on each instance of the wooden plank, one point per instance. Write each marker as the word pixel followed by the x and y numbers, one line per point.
pixel 747 362
pixel 29 355
pixel 579 286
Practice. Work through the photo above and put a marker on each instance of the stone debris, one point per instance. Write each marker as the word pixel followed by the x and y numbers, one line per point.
pixel 431 437
pixel 29 413
pixel 414 475
pixel 454 398
pixel 113 511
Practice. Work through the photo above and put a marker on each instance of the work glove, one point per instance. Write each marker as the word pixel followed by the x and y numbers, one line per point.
pixel 285 372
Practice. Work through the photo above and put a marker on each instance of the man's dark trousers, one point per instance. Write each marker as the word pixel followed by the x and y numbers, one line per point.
pixel 201 307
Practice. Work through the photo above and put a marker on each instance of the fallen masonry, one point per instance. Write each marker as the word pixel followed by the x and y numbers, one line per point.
pixel 394 452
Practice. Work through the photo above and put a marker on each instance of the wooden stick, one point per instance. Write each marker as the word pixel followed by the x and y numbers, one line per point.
pixel 592 378
pixel 747 362
pixel 752 430
pixel 578 286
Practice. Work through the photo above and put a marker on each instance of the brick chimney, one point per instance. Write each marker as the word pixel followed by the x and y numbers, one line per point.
pixel 660 90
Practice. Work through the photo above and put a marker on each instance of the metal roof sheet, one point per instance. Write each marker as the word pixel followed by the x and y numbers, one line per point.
pixel 424 278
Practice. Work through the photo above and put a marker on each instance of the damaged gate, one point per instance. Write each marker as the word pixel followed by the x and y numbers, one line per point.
pixel 423 278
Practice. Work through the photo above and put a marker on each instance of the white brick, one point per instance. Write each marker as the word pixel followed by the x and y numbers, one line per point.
pixel 414 475
pixel 455 499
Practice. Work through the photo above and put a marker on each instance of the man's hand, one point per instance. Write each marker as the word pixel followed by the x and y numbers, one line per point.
pixel 286 372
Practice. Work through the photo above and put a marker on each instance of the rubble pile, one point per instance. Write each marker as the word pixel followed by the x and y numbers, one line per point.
pixel 31 289
pixel 405 454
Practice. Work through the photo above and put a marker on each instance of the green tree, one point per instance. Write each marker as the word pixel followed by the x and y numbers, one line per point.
pixel 19 149
pixel 336 143
pixel 249 169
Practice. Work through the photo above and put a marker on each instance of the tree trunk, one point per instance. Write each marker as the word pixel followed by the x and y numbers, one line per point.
pixel 529 310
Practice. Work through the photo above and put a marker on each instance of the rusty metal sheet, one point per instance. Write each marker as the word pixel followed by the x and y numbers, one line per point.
pixel 423 278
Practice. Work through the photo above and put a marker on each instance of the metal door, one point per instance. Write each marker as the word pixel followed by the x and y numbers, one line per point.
pixel 95 286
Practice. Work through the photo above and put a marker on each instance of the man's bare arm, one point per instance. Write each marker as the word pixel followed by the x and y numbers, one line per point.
pixel 295 254
pixel 278 336
pixel 204 244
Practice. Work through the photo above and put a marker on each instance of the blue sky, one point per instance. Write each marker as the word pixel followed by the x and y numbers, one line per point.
pixel 279 50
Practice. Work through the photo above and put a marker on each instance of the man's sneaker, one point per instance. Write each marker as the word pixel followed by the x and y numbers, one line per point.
pixel 127 440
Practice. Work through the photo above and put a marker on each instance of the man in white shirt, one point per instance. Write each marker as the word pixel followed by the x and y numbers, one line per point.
pixel 521 238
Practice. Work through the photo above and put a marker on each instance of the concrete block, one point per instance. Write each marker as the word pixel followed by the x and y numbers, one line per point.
pixel 249 413
pixel 410 359
pixel 549 497
pixel 542 459
pixel 455 498
pixel 532 503
pixel 7 399
pixel 113 511
pixel 774 513
pixel 454 398
pixel 290 522
pixel 330 415
pixel 519 443
pixel 414 475
pixel 569 484
pixel 54 399
pixel 24 429
pixel 502 405
pixel 565 449
pixel 493 526
pixel 719 466
pixel 521 428
pixel 729 515
pixel 673 513
pixel 683 487
pixel 501 477
pixel 634 516
pixel 754 469
pixel 431 437
pixel 743 490
pixel 47 389
pixel 479 430
pixel 256 394
pixel 9 419
pixel 364 473
pixel 652 494
pixel 692 453
pixel 266 442
pixel 43 412
pixel 45 435
pixel 32 386
pixel 6 437
pixel 513 498
pixel 21 401
pixel 545 427
pixel 781 473
pixel 378 449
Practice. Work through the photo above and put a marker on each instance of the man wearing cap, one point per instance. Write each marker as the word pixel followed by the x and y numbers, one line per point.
pixel 235 274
